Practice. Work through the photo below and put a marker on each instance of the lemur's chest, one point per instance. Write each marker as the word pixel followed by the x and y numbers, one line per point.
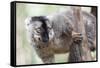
pixel 44 49
pixel 61 45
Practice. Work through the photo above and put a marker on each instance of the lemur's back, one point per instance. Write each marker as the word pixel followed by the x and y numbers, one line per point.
pixel 63 24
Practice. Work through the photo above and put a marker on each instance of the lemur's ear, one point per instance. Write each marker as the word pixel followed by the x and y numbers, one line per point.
pixel 52 24
pixel 27 22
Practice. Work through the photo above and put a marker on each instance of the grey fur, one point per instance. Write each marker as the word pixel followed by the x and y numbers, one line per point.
pixel 62 25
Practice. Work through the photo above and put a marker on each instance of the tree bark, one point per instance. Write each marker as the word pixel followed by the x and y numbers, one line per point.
pixel 94 11
pixel 82 48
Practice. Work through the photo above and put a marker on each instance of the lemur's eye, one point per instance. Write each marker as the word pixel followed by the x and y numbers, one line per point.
pixel 38 30
pixel 49 28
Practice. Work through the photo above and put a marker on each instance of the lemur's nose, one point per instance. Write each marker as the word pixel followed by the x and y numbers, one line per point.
pixel 45 38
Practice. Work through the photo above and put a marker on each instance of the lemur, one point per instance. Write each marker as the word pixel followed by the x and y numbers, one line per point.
pixel 54 34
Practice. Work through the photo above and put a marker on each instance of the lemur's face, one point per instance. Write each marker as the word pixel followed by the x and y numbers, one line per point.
pixel 41 30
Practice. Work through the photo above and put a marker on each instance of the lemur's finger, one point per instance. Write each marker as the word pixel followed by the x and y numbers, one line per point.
pixel 75 34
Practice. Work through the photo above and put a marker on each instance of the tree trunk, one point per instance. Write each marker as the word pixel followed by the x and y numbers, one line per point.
pixel 83 49
pixel 94 11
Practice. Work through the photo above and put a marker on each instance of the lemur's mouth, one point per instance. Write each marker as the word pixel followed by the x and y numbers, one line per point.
pixel 45 40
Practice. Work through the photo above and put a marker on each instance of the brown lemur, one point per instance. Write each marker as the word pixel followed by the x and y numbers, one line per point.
pixel 54 34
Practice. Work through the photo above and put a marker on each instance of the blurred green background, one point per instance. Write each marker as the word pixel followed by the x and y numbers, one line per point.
pixel 25 52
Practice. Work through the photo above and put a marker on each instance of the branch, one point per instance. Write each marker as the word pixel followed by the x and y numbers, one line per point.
pixel 79 27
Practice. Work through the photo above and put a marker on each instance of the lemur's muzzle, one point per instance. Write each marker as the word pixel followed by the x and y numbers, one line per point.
pixel 45 37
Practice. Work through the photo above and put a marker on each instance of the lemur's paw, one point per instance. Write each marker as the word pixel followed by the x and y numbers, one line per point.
pixel 77 37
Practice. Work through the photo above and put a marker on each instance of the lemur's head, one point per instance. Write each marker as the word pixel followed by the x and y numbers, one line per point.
pixel 40 29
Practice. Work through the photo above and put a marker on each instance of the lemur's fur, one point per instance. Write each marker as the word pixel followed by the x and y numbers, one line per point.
pixel 55 33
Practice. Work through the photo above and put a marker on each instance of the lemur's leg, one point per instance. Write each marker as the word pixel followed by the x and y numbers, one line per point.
pixel 47 59
pixel 46 55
